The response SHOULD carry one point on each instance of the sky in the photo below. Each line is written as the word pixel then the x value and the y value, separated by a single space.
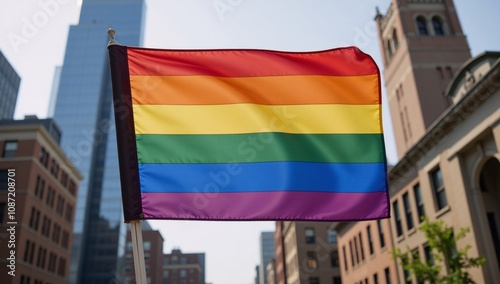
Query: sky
pixel 33 37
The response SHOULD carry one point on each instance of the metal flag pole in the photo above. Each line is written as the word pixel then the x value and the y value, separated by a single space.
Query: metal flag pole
pixel 135 226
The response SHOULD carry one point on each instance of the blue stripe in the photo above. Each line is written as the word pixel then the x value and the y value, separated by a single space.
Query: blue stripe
pixel 265 176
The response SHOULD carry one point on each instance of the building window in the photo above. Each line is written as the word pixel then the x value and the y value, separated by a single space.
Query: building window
pixel 361 248
pixel 29 252
pixel 147 245
pixel 9 149
pixel 419 202
pixel 406 272
pixel 397 218
pixel 415 254
pixel 332 236
pixel 44 157
pixel 387 275
pixel 375 278
pixel 46 226
pixel 334 258
pixel 437 25
pixel 39 187
pixel 356 249
pixel 65 239
pixel 429 259
pixel 50 197
pixel 370 241
pixel 25 279
pixel 182 273
pixel 64 179
pixel 72 187
pixel 52 262
pixel 337 280
pixel 422 26
pixel 407 118
pixel 395 39
pixel 2 209
pixel 4 180
pixel 310 235
pixel 311 261
pixel 352 253
pixel 381 234
pixel 61 270
pixel 438 188
pixel 314 280
pixel 54 168
pixel 56 233
pixel 60 205
pixel 408 213
pixel 68 214
pixel 494 233
pixel 389 49
pixel 344 254
pixel 42 253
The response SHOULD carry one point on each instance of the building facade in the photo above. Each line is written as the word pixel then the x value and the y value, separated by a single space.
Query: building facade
pixel 266 244
pixel 310 253
pixel 84 110
pixel 449 162
pixel 452 173
pixel 153 256
pixel 9 88
pixel 271 272
pixel 183 268
pixel 279 251
pixel 38 188
pixel 365 252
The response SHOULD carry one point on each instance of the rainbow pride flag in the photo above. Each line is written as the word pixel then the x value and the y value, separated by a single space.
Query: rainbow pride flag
pixel 249 134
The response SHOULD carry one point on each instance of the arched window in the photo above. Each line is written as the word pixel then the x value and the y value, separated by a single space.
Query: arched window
pixel 422 26
pixel 395 39
pixel 437 25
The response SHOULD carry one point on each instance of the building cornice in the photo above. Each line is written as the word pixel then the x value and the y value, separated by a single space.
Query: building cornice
pixel 448 121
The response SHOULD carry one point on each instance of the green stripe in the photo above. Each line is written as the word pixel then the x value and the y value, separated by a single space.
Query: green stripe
pixel 260 147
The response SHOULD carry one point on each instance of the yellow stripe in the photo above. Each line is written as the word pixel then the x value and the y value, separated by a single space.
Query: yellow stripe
pixel 251 118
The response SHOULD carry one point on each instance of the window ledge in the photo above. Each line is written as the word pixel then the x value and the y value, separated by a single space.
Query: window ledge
pixel 400 238
pixel 412 231
pixel 443 211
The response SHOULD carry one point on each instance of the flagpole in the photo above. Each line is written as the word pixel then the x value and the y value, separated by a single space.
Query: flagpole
pixel 138 252
pixel 135 225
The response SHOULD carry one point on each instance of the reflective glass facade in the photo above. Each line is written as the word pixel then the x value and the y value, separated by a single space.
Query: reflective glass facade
pixel 266 254
pixel 9 87
pixel 84 111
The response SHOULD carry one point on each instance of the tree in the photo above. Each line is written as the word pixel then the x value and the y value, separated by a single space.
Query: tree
pixel 443 253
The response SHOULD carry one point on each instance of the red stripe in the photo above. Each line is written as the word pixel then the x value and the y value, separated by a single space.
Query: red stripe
pixel 349 61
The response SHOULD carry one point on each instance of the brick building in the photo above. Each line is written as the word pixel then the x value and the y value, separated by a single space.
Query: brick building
pixel 183 268
pixel 45 194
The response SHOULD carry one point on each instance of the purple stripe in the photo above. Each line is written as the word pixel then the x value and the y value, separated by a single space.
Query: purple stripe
pixel 313 206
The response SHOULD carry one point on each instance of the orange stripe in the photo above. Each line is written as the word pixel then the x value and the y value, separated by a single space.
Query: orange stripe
pixel 281 90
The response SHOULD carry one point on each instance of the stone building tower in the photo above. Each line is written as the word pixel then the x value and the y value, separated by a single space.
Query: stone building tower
pixel 423 45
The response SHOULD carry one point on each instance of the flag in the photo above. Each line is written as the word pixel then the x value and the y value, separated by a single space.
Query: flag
pixel 249 134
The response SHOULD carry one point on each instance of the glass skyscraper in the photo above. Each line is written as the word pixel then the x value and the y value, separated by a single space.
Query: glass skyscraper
pixel 9 87
pixel 84 111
